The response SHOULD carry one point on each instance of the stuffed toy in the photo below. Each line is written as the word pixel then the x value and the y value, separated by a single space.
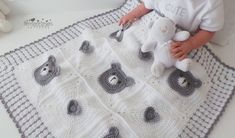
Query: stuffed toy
pixel 5 26
pixel 160 35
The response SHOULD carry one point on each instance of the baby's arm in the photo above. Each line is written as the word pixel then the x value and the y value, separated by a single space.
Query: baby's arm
pixel 136 13
pixel 180 50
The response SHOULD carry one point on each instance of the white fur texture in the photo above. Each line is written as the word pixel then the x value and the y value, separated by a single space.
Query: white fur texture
pixel 159 39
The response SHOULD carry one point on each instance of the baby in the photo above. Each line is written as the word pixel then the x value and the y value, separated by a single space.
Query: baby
pixel 200 17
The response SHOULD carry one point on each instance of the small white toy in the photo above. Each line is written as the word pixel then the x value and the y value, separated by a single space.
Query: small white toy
pixel 5 26
pixel 160 35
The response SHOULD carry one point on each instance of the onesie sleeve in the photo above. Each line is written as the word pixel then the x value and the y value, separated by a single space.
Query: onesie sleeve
pixel 213 19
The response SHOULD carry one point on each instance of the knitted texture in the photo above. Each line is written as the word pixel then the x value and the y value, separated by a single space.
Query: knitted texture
pixel 78 82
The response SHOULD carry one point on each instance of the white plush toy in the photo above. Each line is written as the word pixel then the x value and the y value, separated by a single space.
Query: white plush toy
pixel 5 26
pixel 160 35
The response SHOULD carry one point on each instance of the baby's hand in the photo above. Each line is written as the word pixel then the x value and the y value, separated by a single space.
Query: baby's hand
pixel 180 50
pixel 126 19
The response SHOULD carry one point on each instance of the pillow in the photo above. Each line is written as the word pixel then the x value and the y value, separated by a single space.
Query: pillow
pixel 226 35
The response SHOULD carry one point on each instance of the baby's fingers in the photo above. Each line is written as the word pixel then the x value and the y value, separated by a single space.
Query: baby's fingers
pixel 175 44
pixel 175 50
pixel 179 55
pixel 183 57
pixel 120 22
pixel 123 21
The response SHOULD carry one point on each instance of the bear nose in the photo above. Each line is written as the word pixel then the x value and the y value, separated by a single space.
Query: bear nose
pixel 182 81
pixel 44 71
pixel 113 80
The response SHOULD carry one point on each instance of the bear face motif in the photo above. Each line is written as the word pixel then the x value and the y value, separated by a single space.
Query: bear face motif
pixel 150 115
pixel 46 72
pixel 113 133
pixel 74 108
pixel 183 82
pixel 118 35
pixel 115 80
pixel 86 47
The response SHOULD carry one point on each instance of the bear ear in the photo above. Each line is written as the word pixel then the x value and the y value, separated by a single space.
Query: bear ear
pixel 130 81
pixel 197 83
pixel 57 71
pixel 116 66
pixel 52 59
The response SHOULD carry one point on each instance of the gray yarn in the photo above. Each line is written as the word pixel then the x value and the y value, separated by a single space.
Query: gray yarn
pixel 86 47
pixel 150 115
pixel 74 108
pixel 115 80
pixel 113 133
pixel 145 55
pixel 118 35
pixel 115 35
pixel 187 86
pixel 46 72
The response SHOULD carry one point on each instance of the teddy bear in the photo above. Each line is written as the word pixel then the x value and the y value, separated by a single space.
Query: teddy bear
pixel 160 35
pixel 5 26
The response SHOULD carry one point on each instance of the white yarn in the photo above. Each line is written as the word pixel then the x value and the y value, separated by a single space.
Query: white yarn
pixel 78 80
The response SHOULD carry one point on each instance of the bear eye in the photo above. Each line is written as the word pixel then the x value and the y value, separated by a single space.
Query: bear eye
pixel 47 64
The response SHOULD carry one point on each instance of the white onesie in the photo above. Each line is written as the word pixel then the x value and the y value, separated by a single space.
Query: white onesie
pixel 191 14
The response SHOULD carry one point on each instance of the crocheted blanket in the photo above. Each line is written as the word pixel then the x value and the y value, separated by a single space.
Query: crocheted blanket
pixel 86 81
